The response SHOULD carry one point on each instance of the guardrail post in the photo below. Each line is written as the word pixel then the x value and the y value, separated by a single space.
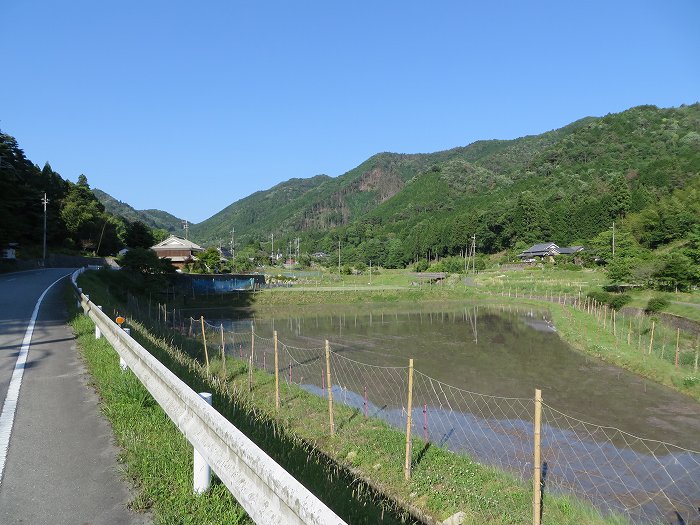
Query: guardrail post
pixel 98 332
pixel 122 364
pixel 202 471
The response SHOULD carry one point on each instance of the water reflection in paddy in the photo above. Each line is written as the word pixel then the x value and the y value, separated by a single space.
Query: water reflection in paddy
pixel 465 353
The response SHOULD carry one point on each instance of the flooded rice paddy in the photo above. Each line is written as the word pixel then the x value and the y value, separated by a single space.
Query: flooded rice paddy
pixel 476 369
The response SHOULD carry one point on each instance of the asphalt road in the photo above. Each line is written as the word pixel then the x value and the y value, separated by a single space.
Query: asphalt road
pixel 60 465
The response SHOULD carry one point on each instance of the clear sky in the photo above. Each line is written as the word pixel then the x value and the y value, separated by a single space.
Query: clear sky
pixel 190 106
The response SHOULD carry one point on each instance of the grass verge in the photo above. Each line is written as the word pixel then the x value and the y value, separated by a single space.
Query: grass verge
pixel 156 456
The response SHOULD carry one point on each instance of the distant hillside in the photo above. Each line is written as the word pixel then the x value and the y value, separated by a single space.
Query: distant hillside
pixel 639 168
pixel 152 218
pixel 322 202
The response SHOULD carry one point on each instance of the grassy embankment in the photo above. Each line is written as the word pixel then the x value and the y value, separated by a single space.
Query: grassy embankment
pixel 365 454
pixel 642 344
pixel 156 456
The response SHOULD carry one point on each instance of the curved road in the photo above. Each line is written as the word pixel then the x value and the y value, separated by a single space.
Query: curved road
pixel 57 459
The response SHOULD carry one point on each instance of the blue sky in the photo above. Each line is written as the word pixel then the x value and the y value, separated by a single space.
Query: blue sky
pixel 190 106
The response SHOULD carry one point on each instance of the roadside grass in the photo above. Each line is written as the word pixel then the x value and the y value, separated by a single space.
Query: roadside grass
pixel 155 455
pixel 359 471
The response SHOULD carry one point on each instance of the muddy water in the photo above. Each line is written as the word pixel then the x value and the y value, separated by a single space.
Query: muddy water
pixel 496 351
pixel 465 353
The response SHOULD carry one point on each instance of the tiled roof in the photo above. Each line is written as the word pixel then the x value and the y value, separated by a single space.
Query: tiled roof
pixel 177 243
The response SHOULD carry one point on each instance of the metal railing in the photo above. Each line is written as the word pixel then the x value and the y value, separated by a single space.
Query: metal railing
pixel 267 492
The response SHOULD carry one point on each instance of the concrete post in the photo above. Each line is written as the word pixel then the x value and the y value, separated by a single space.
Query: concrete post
pixel 98 333
pixel 202 471
pixel 122 363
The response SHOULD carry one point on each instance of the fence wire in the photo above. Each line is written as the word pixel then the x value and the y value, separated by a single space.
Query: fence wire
pixel 642 479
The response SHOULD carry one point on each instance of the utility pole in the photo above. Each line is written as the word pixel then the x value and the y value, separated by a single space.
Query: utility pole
pixel 370 272
pixel 338 255
pixel 272 250
pixel 474 253
pixel 186 227
pixel 298 248
pixel 613 240
pixel 44 201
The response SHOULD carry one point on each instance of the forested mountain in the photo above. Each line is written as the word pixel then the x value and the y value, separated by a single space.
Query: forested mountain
pixel 156 219
pixel 639 168
pixel 323 202
pixel 76 221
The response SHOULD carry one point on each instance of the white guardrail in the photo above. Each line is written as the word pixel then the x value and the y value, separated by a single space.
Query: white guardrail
pixel 267 492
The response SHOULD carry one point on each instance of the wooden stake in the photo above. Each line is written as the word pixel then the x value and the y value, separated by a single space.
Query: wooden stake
pixel 537 461
pixel 204 339
pixel 252 354
pixel 277 374
pixel 407 465
pixel 678 335
pixel 605 315
pixel 629 333
pixel 330 388
pixel 651 339
pixel 223 351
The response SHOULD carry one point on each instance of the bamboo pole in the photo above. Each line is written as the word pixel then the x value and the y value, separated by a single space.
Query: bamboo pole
pixel 651 339
pixel 223 351
pixel 277 374
pixel 204 339
pixel 605 315
pixel 629 333
pixel 407 465
pixel 678 335
pixel 330 388
pixel 252 358
pixel 537 473
pixel 697 351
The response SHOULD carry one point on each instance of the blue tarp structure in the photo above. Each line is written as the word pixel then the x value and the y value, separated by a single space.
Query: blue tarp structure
pixel 222 286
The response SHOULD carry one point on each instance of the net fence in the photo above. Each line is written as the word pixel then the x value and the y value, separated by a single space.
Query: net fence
pixel 644 480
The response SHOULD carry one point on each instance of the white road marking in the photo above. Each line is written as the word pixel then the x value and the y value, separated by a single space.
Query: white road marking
pixel 7 417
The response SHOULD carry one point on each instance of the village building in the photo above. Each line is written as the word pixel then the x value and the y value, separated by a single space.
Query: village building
pixel 547 250
pixel 177 250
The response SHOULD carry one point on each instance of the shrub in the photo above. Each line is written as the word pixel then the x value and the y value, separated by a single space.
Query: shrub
pixel 422 266
pixel 656 304
pixel 618 301
pixel 600 296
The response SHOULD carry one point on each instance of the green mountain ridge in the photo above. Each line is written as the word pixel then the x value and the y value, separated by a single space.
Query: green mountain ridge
pixel 324 202
pixel 156 219
pixel 637 167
